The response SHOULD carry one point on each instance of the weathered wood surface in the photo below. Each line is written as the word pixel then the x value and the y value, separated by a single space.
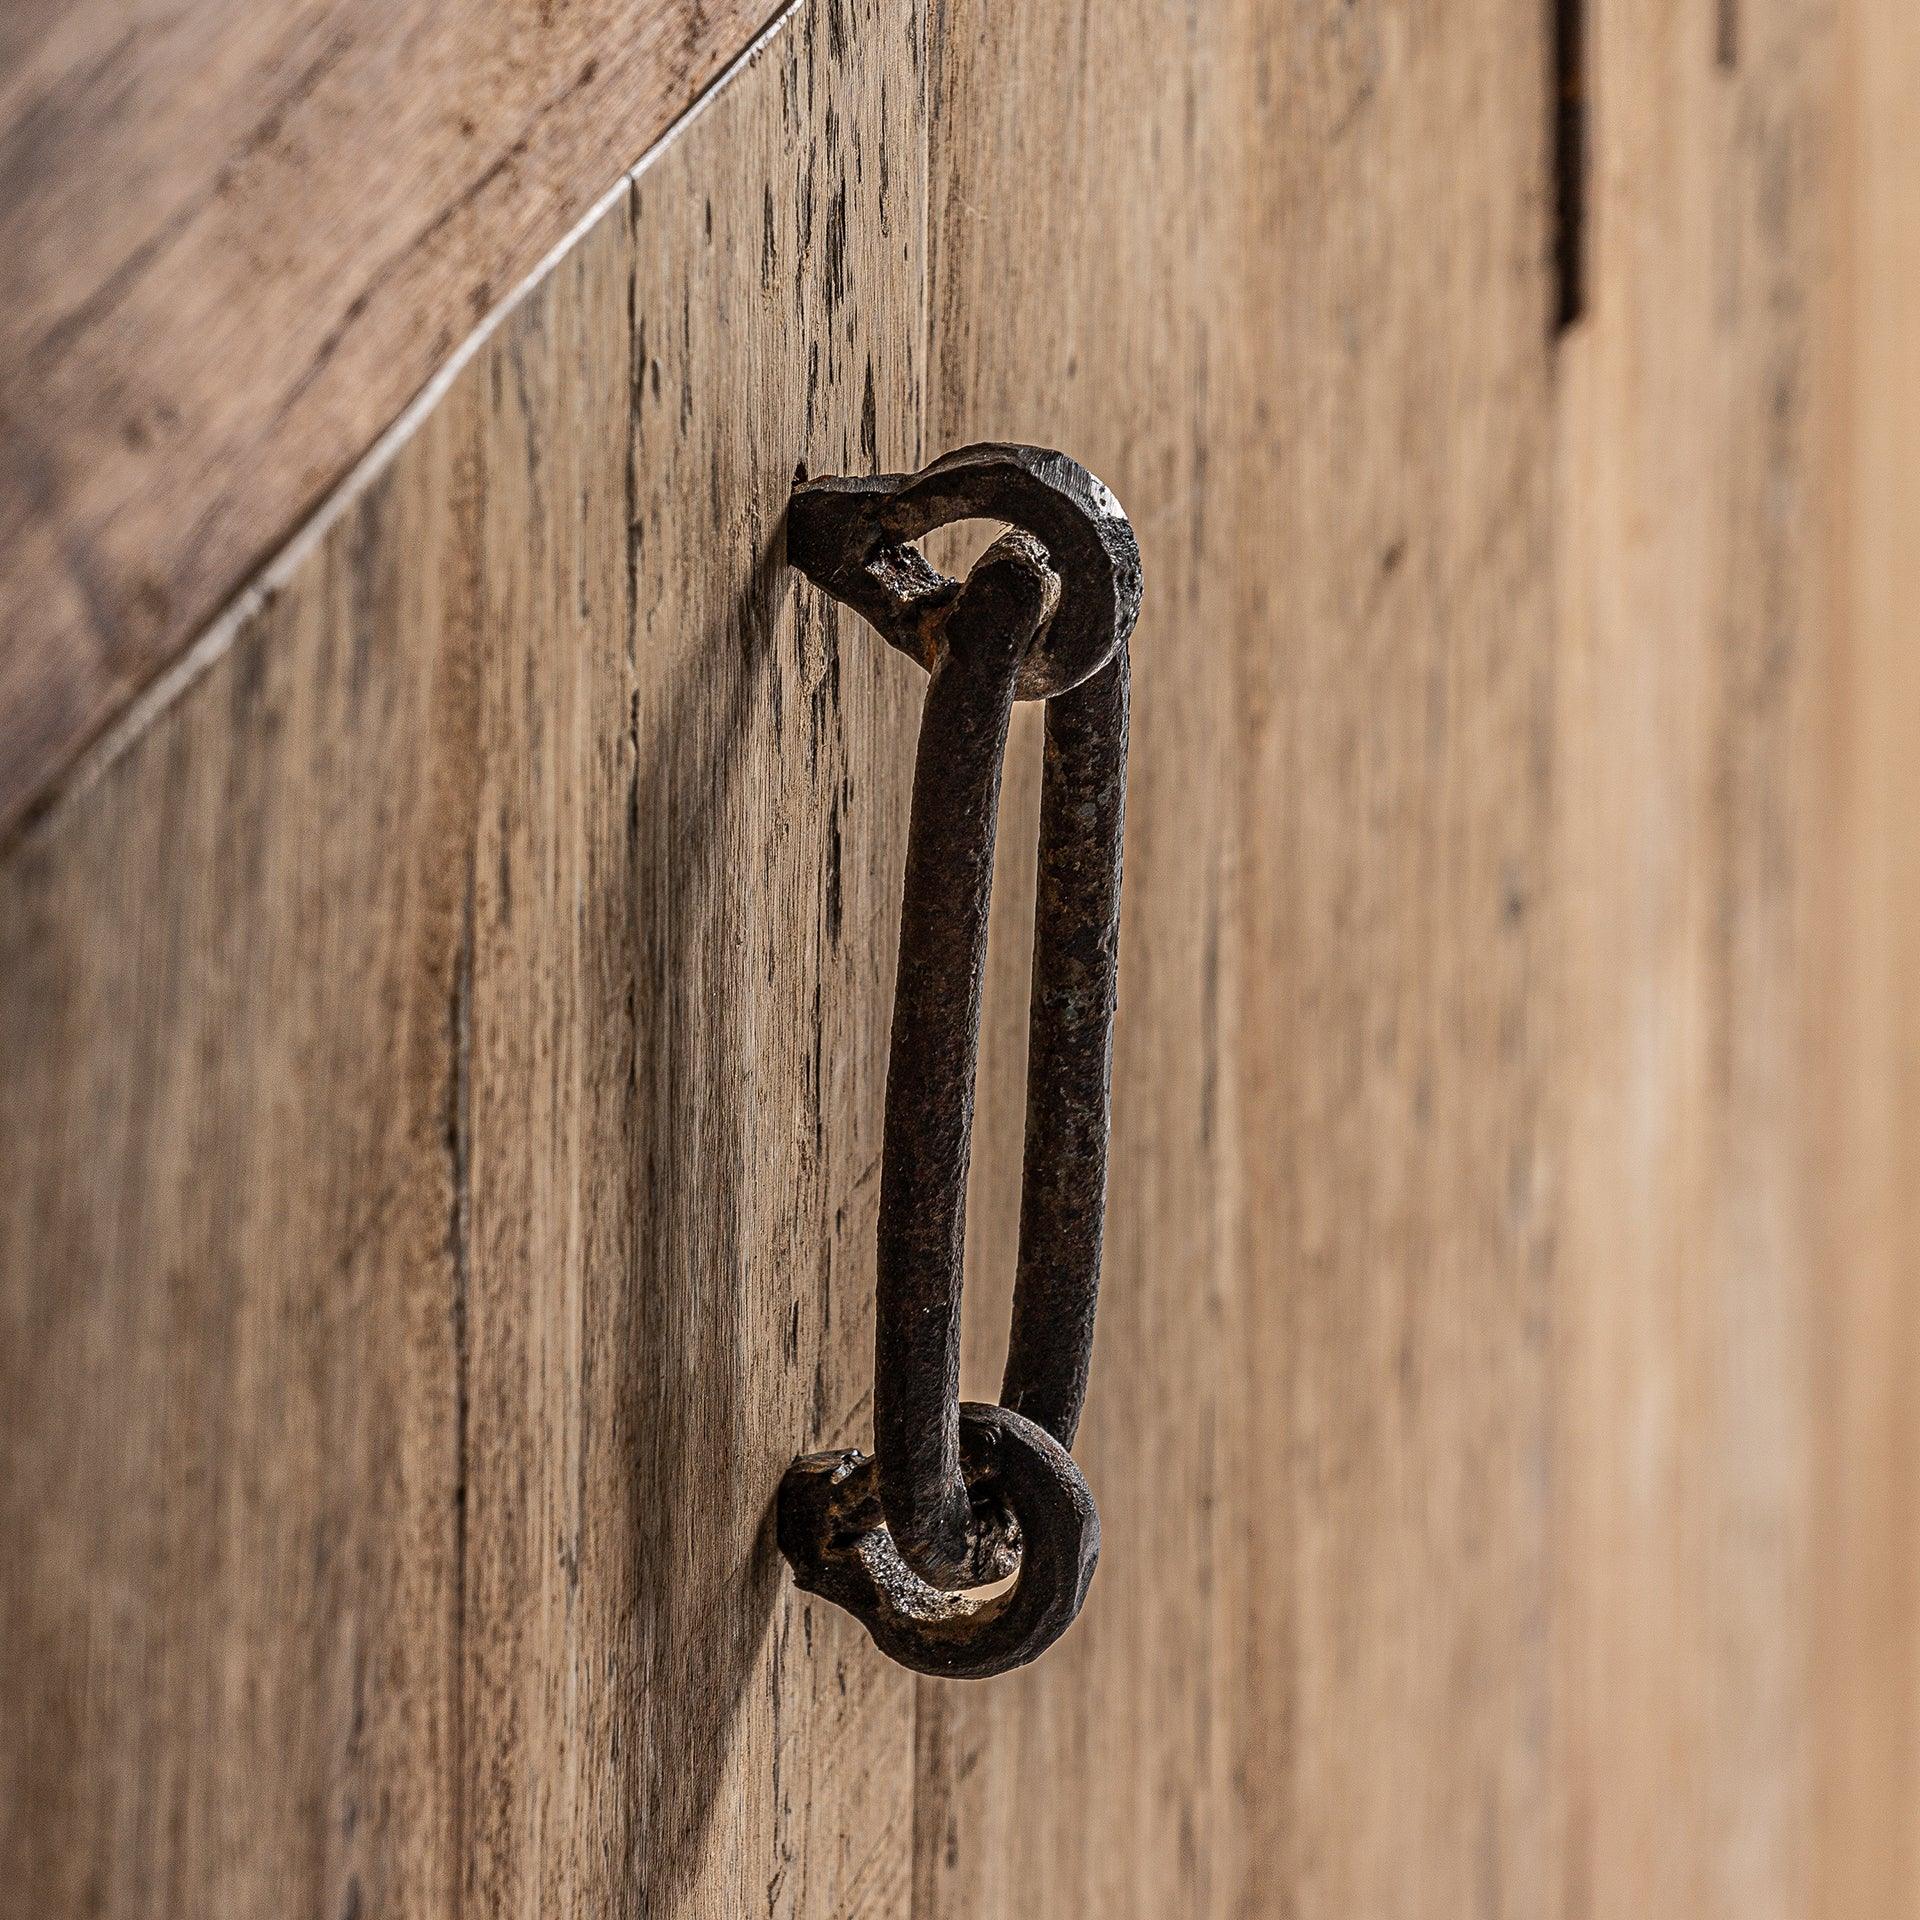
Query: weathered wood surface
pixel 443 1051
pixel 1511 1285
pixel 440 1102
pixel 1313 1676
pixel 1864 1600
pixel 1734 857
pixel 236 238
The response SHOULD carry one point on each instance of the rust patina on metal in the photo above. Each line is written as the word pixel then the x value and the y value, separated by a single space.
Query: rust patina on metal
pixel 958 1496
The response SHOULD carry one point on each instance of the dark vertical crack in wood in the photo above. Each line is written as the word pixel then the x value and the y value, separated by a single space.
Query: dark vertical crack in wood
pixel 1569 41
pixel 460 1230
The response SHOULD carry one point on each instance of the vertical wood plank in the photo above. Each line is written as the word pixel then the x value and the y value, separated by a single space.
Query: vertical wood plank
pixel 1074 300
pixel 1700 657
pixel 1211 253
pixel 231 1650
pixel 777 294
pixel 1393 674
pixel 442 1065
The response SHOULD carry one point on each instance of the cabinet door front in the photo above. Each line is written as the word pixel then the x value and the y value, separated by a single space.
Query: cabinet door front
pixel 450 905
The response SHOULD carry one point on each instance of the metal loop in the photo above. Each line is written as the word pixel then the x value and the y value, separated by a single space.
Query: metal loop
pixel 830 1530
pixel 968 1494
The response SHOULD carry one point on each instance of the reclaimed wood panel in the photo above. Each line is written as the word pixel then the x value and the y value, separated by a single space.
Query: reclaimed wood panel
pixel 1519 1447
pixel 1221 265
pixel 442 1046
pixel 1865 1015
pixel 441 1091
pixel 1734 1557
pixel 236 239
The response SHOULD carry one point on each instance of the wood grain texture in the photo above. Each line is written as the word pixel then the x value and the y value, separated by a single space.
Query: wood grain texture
pixel 1866 1017
pixel 1220 265
pixel 1707 876
pixel 1074 300
pixel 441 1090
pixel 442 1052
pixel 1501 1376
pixel 236 238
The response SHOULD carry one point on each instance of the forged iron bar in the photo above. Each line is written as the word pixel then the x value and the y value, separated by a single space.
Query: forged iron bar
pixel 959 1496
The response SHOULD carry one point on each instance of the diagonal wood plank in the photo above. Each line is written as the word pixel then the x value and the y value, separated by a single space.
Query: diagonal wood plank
pixel 236 238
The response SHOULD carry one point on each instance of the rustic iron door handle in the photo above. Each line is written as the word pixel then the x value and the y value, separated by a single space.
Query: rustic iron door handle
pixel 959 1496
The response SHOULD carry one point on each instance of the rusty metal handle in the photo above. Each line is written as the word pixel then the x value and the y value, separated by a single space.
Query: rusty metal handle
pixel 959 1496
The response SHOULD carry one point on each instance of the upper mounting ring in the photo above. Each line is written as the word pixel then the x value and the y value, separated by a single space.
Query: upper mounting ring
pixel 854 538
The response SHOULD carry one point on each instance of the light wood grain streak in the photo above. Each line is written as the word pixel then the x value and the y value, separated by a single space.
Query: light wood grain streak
pixel 1865 1016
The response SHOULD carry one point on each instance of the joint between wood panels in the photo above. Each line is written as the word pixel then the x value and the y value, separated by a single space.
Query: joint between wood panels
pixel 1568 40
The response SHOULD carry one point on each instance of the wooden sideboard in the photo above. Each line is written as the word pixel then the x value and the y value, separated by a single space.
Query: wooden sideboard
pixel 448 891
